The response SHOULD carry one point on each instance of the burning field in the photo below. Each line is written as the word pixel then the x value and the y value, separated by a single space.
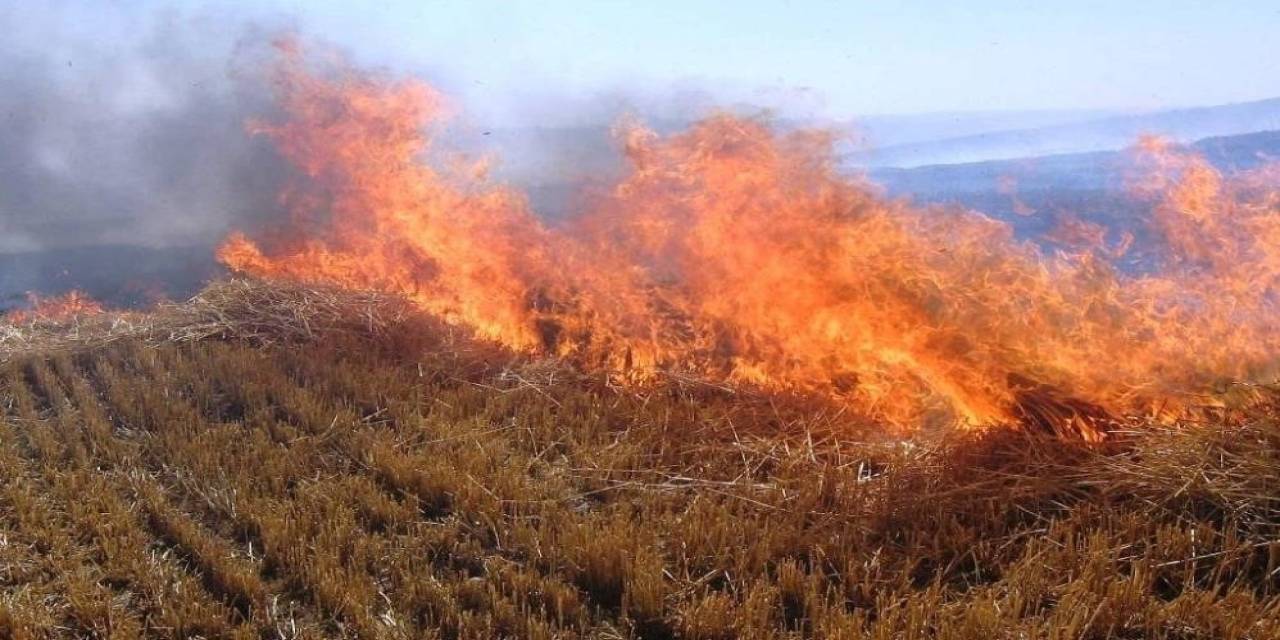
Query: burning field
pixel 739 393
pixel 738 253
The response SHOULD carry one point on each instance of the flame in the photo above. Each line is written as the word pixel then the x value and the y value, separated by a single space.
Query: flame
pixel 740 252
pixel 60 308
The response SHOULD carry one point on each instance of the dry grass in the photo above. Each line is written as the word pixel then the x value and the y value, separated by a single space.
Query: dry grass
pixel 244 309
pixel 287 462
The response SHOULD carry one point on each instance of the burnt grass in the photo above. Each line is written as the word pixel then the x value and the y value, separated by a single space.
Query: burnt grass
pixel 405 486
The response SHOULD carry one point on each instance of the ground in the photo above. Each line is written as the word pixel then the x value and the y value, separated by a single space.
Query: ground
pixel 347 486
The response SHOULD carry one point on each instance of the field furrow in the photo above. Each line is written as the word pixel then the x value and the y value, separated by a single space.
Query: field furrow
pixel 110 545
pixel 219 489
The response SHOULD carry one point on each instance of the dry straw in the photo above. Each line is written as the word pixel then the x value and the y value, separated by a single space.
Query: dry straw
pixel 240 308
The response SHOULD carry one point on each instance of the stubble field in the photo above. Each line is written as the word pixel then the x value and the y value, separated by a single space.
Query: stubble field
pixel 407 485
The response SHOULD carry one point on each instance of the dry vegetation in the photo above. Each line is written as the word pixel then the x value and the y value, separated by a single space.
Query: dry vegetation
pixel 268 462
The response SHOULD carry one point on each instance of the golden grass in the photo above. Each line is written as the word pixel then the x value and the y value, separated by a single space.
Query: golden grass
pixel 313 464
pixel 240 308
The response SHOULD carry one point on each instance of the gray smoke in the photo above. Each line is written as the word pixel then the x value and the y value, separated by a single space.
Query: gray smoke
pixel 138 139
pixel 122 136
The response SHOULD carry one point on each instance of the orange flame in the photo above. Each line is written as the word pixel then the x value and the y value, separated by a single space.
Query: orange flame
pixel 737 251
pixel 60 308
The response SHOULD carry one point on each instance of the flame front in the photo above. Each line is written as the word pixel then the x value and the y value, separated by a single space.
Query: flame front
pixel 737 252
pixel 60 308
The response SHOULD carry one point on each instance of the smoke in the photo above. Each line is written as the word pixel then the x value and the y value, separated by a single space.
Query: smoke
pixel 126 129
pixel 125 156
pixel 131 138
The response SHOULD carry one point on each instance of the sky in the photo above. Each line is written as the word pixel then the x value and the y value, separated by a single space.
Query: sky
pixel 815 58
pixel 839 58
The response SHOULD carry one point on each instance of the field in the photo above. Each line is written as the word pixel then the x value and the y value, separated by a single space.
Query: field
pixel 406 483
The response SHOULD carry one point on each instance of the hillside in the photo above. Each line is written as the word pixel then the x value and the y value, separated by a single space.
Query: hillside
pixel 1093 170
pixel 375 478
pixel 1032 193
pixel 1098 134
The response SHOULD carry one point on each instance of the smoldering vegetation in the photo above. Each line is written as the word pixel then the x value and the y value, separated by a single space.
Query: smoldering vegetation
pixel 337 471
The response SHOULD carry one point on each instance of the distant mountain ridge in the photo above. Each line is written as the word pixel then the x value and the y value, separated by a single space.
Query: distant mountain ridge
pixel 1033 194
pixel 1090 170
pixel 898 130
pixel 1102 134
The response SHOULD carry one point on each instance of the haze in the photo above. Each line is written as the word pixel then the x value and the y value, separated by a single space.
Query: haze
pixel 845 58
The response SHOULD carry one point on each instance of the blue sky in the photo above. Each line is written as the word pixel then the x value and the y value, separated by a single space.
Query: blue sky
pixel 817 58
pixel 842 58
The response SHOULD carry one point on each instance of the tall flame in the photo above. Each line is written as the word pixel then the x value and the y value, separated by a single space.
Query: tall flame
pixel 740 252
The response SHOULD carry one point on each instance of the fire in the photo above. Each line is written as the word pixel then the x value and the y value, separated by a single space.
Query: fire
pixel 61 308
pixel 740 252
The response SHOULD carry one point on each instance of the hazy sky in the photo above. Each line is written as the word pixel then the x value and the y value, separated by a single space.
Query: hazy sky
pixel 836 59
pixel 841 57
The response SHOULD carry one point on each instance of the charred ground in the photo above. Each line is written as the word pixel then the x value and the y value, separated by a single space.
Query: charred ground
pixel 372 479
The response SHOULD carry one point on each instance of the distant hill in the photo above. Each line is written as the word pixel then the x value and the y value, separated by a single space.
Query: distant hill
pixel 1101 134
pixel 1032 194
pixel 894 130
pixel 1092 170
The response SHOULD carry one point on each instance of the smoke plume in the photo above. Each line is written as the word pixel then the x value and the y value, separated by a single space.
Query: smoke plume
pixel 125 156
